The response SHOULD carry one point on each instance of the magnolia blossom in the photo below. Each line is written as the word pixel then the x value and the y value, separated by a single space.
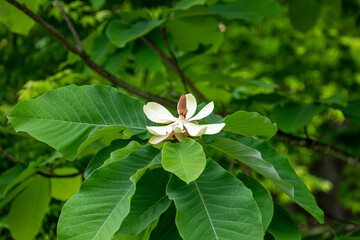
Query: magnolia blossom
pixel 183 125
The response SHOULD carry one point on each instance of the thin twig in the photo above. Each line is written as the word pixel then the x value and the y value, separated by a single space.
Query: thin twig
pixel 354 230
pixel 318 147
pixel 71 27
pixel 112 78
pixel 244 168
pixel 174 67
pixel 9 156
pixel 53 175
pixel 164 34
pixel 231 167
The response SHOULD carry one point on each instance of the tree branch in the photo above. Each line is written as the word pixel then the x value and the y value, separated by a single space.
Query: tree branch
pixel 9 156
pixel 164 34
pixel 91 64
pixel 71 27
pixel 53 175
pixel 318 147
pixel 174 67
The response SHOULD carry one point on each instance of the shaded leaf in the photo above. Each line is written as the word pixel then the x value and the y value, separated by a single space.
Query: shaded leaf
pixel 28 209
pixel 103 200
pixel 147 204
pixel 304 13
pixel 166 228
pixel 119 33
pixel 292 116
pixel 7 177
pixel 186 4
pixel 70 118
pixel 215 206
pixel 185 159
pixel 282 226
pixel 338 98
pixel 254 10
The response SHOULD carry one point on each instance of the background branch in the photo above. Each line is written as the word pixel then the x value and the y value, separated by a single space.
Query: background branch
pixel 174 67
pixel 296 141
pixel 71 27
pixel 91 64
pixel 9 156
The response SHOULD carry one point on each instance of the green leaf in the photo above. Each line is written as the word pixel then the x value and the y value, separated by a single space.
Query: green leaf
pixel 282 226
pixel 352 112
pixel 7 177
pixel 97 3
pixel 70 118
pixel 336 99
pixel 292 116
pixel 304 13
pixel 103 200
pixel 188 36
pixel 166 228
pixel 215 206
pixel 254 10
pixel 65 188
pixel 186 4
pixel 123 152
pixel 119 33
pixel 250 124
pixel 262 198
pixel 15 20
pixel 99 158
pixel 144 235
pixel 13 193
pixel 185 159
pixel 147 204
pixel 28 210
pixel 253 159
pixel 302 195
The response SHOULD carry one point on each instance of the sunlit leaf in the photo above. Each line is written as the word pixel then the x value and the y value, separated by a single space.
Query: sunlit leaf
pixel 72 117
pixel 215 206
pixel 28 210
pixel 185 159
pixel 64 188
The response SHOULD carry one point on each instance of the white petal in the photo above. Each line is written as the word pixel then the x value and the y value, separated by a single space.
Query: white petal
pixel 194 129
pixel 157 113
pixel 191 105
pixel 180 136
pixel 204 112
pixel 158 139
pixel 160 130
pixel 214 128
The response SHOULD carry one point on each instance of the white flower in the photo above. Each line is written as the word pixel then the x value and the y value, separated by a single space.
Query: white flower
pixel 183 125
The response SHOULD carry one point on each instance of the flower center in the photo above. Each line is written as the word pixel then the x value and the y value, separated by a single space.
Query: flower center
pixel 182 110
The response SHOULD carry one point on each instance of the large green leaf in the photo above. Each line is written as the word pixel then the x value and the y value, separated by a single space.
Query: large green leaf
pixel 17 21
pixel 185 159
pixel 97 3
pixel 262 198
pixel 188 36
pixel 250 124
pixel 103 201
pixel 304 13
pixel 253 159
pixel 282 227
pixel 28 210
pixel 147 204
pixel 119 33
pixel 186 4
pixel 72 117
pixel 252 10
pixel 302 195
pixel 166 228
pixel 292 116
pixel 215 206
